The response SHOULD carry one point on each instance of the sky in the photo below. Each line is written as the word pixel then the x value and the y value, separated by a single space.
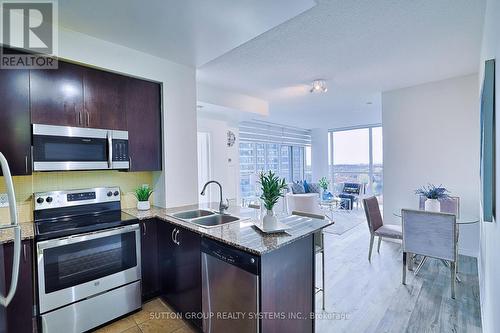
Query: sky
pixel 352 147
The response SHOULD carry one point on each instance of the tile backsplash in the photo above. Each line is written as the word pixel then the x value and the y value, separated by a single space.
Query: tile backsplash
pixel 25 186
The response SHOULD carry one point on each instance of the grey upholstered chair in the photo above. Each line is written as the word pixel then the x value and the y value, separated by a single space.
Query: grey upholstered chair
pixel 319 247
pixel 377 226
pixel 448 205
pixel 431 235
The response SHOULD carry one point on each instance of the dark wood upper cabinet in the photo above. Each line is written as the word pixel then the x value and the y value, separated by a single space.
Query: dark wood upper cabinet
pixel 20 317
pixel 143 107
pixel 104 102
pixel 15 128
pixel 57 95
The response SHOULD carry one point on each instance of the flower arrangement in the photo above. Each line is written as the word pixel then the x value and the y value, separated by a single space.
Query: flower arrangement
pixel 433 192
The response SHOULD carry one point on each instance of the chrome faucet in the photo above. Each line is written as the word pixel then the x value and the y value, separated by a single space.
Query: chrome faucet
pixel 222 206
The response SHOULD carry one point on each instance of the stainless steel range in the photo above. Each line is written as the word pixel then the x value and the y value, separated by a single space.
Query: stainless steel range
pixel 88 259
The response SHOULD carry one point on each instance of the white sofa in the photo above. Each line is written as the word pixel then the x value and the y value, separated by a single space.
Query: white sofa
pixel 305 202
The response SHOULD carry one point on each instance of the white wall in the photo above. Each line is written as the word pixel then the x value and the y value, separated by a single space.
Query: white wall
pixel 232 100
pixel 224 160
pixel 489 262
pixel 431 134
pixel 177 184
pixel 319 153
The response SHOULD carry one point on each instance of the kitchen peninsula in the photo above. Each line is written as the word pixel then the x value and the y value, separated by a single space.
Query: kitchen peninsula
pixel 284 267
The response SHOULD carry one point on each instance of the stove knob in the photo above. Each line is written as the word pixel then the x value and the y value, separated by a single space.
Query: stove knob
pixel 39 200
pixel 109 193
pixel 49 199
pixel 116 193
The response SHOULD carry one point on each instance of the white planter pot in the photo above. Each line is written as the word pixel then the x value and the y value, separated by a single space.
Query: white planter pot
pixel 432 205
pixel 269 219
pixel 143 205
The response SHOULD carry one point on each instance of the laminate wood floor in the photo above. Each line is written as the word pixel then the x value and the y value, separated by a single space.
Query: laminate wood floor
pixel 369 297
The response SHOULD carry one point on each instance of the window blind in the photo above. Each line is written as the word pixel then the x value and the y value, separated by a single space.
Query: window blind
pixel 255 131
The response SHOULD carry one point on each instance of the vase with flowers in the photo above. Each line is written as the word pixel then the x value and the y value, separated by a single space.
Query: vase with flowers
pixel 433 194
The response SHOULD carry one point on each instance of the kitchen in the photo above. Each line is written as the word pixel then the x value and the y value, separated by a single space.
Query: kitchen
pixel 78 140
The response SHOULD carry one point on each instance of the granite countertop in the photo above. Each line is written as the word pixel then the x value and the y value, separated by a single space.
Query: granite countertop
pixel 27 232
pixel 240 234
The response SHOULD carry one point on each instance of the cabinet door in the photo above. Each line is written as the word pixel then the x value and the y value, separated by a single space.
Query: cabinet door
pixel 57 95
pixel 143 107
pixel 20 317
pixel 15 126
pixel 104 100
pixel 181 275
pixel 149 259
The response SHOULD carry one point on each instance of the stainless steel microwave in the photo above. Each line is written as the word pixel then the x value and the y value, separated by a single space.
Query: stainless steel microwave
pixel 60 148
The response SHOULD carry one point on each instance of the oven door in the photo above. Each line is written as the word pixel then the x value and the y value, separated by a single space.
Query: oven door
pixel 73 268
pixel 71 148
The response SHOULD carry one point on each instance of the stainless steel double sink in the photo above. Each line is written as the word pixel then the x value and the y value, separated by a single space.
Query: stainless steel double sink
pixel 206 218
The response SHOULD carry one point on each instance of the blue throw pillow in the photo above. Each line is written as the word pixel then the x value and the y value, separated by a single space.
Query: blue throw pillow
pixel 306 186
pixel 298 188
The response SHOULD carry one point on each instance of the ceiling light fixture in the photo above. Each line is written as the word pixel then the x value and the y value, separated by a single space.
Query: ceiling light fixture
pixel 318 86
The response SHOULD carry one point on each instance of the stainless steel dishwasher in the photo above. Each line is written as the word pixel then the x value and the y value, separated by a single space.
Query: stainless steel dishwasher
pixel 230 289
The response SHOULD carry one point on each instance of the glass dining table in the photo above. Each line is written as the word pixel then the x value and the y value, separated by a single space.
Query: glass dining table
pixel 460 221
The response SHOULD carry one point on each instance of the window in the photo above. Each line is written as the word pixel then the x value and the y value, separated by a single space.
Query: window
pixel 286 161
pixel 356 156
pixel 266 146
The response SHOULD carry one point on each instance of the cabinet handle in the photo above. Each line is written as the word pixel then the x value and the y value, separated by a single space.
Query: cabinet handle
pixel 144 228
pixel 177 234
pixel 129 163
pixel 172 236
pixel 88 119
pixel 26 163
pixel 80 118
pixel 24 253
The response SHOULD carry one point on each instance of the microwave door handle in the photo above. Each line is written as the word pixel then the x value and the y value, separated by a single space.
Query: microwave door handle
pixel 4 301
pixel 110 149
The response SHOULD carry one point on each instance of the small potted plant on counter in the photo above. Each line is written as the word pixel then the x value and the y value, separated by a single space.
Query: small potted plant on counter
pixel 433 194
pixel 272 191
pixel 142 193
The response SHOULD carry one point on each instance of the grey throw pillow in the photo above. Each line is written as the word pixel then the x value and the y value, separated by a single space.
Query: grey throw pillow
pixel 298 188
pixel 314 188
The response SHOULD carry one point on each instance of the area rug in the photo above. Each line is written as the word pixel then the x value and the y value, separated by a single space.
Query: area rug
pixel 345 221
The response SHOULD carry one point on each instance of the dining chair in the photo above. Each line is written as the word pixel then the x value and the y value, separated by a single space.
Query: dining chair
pixel 431 235
pixel 448 205
pixel 319 247
pixel 377 226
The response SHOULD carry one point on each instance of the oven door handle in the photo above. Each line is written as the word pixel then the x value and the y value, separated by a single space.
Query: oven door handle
pixel 109 138
pixel 85 237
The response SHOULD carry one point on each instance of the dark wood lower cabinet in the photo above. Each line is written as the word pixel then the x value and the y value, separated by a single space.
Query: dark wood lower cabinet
pixel 180 269
pixel 149 259
pixel 20 317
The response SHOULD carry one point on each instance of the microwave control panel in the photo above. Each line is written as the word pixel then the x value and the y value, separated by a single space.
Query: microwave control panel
pixel 120 150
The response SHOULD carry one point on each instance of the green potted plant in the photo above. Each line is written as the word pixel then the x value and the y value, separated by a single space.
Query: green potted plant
pixel 272 191
pixel 323 184
pixel 142 194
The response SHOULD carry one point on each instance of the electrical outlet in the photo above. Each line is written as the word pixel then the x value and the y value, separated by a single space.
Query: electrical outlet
pixel 4 200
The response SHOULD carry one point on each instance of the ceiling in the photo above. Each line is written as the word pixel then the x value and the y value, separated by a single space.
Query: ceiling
pixel 190 32
pixel 361 47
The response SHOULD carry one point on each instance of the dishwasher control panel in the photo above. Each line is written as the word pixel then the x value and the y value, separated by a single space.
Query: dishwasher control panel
pixel 244 260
